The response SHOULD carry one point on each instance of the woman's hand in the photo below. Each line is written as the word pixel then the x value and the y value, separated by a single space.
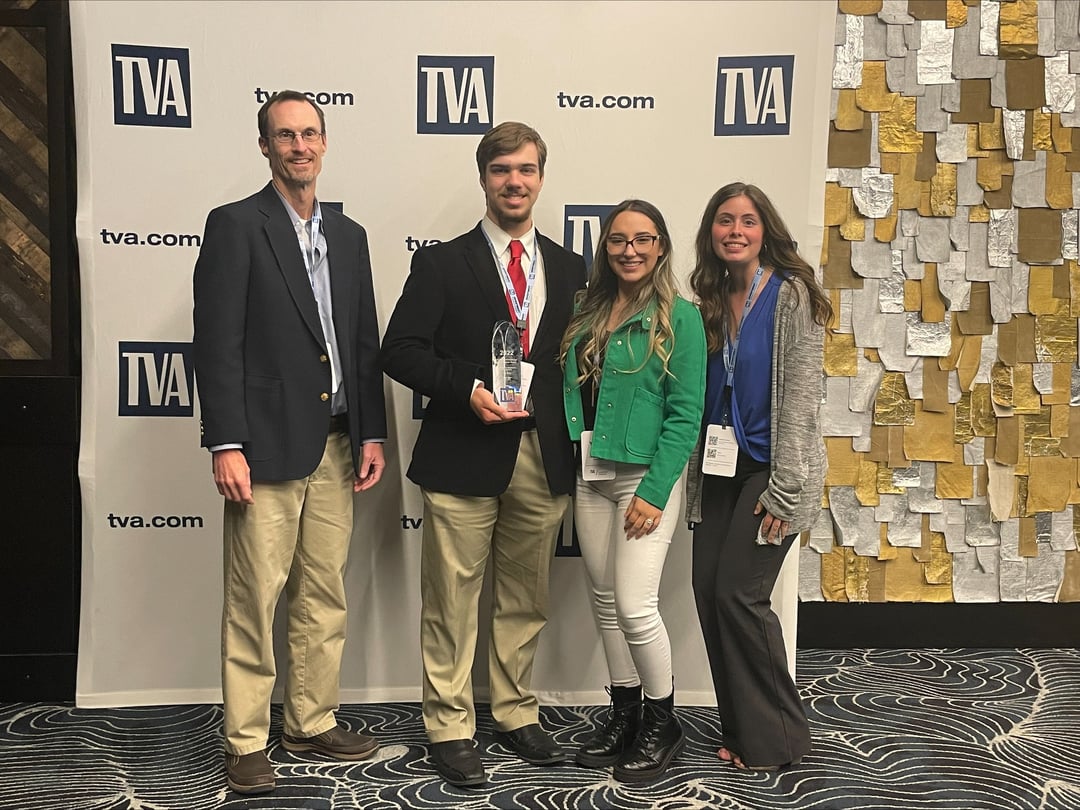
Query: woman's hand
pixel 641 518
pixel 773 530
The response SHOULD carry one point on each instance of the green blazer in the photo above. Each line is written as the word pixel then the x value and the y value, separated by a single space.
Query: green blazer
pixel 644 416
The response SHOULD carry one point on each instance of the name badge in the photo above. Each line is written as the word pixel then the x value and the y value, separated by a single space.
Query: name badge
pixel 721 451
pixel 593 469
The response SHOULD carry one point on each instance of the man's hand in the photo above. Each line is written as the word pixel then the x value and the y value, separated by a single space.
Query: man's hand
pixel 488 410
pixel 233 476
pixel 372 465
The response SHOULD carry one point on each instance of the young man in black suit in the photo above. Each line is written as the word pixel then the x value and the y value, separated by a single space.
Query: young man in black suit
pixel 286 357
pixel 495 482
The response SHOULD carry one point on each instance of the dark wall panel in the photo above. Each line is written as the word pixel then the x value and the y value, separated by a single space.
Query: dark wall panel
pixel 39 384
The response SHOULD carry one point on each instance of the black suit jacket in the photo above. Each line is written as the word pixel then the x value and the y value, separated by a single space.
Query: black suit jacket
pixel 439 340
pixel 260 357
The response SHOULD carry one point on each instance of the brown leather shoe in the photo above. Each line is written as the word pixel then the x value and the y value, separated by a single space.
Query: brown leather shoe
pixel 338 742
pixel 249 773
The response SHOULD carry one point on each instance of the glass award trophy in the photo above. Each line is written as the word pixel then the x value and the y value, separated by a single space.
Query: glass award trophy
pixel 506 366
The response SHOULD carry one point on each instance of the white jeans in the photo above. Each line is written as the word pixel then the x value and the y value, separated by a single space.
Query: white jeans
pixel 624 576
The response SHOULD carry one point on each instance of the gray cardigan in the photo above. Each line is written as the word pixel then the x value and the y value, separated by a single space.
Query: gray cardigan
pixel 797 469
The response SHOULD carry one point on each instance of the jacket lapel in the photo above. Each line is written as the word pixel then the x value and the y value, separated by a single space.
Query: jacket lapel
pixel 482 264
pixel 286 249
pixel 341 278
pixel 557 308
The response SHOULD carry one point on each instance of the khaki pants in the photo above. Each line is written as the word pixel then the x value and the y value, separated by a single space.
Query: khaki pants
pixel 295 536
pixel 517 532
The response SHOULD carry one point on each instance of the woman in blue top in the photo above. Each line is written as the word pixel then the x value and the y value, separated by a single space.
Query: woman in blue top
pixel 634 383
pixel 757 475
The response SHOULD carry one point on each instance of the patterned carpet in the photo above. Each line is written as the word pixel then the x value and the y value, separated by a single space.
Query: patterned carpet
pixel 964 729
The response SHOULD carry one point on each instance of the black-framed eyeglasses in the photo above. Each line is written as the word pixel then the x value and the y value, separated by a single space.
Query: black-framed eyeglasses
pixel 641 242
pixel 287 136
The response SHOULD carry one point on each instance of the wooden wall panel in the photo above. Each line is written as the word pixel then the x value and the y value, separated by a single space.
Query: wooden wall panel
pixel 25 267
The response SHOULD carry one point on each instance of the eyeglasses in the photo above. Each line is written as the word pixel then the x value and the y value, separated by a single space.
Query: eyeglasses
pixel 287 136
pixel 641 242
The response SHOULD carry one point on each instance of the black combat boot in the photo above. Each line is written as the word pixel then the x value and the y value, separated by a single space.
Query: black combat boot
pixel 660 739
pixel 610 741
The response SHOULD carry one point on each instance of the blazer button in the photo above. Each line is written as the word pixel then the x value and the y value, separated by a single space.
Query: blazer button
pixel 573 418
pixel 610 405
pixel 324 396
pixel 618 343
pixel 323 358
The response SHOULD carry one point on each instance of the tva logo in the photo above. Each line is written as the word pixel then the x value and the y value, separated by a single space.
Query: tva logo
pixel 581 228
pixel 156 379
pixel 454 94
pixel 151 86
pixel 753 95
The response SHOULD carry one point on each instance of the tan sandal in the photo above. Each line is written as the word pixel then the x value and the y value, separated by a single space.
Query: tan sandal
pixel 742 766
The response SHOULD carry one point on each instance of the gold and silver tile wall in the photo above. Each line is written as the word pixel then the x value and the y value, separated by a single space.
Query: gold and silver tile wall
pixel 952 390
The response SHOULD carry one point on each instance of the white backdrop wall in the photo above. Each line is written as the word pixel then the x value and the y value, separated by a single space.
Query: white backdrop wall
pixel 633 99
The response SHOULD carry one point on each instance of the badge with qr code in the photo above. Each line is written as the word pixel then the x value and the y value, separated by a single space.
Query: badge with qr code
pixel 721 451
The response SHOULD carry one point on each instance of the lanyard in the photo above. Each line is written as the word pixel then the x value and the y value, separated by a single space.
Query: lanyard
pixel 520 310
pixel 731 348
pixel 308 244
pixel 308 251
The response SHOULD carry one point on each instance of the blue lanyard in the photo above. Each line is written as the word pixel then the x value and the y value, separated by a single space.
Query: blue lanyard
pixel 520 308
pixel 731 348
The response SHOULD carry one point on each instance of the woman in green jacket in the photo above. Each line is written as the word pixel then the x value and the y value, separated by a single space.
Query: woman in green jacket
pixel 634 383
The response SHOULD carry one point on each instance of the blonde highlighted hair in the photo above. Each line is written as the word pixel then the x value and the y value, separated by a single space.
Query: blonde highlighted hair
pixel 594 303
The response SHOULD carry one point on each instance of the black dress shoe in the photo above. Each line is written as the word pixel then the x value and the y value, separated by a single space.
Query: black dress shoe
pixel 532 744
pixel 457 762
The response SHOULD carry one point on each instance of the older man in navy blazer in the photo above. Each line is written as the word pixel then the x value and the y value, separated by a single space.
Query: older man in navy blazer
pixel 286 358
pixel 495 482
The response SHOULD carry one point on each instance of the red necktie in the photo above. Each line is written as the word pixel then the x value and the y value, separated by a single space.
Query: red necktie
pixel 517 278
pixel 517 274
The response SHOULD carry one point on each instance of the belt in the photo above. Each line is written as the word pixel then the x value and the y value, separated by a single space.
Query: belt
pixel 527 423
pixel 339 423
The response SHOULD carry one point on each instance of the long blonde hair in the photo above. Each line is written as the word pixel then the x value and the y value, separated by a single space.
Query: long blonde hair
pixel 594 303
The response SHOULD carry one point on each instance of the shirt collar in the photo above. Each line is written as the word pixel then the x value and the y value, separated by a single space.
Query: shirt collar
pixel 645 315
pixel 500 239
pixel 316 212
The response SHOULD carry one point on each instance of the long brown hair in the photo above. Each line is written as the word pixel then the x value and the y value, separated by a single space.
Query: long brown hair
pixel 711 282
pixel 595 301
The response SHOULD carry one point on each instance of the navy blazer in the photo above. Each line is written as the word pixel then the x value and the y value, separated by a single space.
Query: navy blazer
pixel 260 357
pixel 439 340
